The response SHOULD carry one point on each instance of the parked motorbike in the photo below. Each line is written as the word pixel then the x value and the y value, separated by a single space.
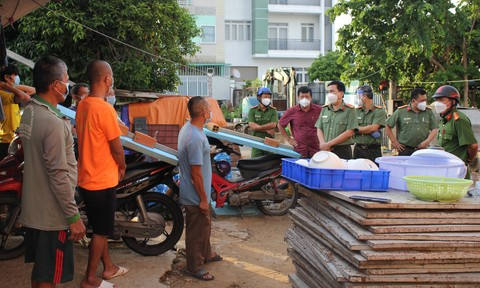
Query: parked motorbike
pixel 261 183
pixel 149 223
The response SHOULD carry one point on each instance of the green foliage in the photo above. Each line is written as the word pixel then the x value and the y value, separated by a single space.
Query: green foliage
pixel 326 67
pixel 161 28
pixel 251 86
pixel 409 41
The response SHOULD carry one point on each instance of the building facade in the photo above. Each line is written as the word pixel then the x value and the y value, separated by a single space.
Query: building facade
pixel 242 39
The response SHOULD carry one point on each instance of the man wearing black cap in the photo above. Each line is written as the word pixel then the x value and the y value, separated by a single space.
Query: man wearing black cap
pixel 371 119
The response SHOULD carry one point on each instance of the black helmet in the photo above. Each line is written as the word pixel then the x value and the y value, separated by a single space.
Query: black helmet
pixel 366 90
pixel 447 91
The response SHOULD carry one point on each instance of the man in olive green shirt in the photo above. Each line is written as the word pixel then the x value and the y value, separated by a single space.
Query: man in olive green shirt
pixel 371 119
pixel 416 125
pixel 456 133
pixel 337 122
pixel 263 119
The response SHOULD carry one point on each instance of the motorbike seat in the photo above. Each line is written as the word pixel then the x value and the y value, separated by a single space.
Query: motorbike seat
pixel 261 163
pixel 137 169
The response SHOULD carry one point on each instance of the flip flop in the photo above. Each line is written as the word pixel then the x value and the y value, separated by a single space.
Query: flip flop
pixel 215 258
pixel 202 274
pixel 106 284
pixel 120 272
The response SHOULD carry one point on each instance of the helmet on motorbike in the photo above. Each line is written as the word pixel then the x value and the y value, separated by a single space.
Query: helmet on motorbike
pixel 263 90
pixel 223 167
pixel 447 91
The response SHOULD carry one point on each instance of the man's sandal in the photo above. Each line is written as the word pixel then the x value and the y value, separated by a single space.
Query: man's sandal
pixel 202 274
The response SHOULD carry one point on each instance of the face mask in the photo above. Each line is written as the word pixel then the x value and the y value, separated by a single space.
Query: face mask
pixel 304 102
pixel 266 101
pixel 422 105
pixel 66 92
pixel 332 98
pixel 17 80
pixel 439 107
pixel 111 100
pixel 209 118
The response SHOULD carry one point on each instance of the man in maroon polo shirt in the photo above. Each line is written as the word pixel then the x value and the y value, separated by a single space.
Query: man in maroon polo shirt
pixel 302 118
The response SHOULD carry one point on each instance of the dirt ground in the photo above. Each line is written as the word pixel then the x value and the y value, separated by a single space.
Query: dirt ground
pixel 253 249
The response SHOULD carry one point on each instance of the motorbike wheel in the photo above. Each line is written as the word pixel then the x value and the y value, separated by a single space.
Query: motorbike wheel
pixel 13 244
pixel 167 209
pixel 275 208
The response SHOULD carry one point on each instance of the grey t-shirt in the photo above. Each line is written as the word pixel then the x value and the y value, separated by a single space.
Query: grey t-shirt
pixel 193 149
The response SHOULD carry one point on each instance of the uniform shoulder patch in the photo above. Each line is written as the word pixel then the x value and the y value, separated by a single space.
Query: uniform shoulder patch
pixel 428 107
pixel 325 105
pixel 272 107
pixel 456 116
pixel 401 107
pixel 379 106
pixel 349 105
pixel 256 106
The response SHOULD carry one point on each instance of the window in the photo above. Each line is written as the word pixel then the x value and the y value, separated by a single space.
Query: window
pixel 301 75
pixel 238 30
pixel 208 34
pixel 307 32
pixel 277 36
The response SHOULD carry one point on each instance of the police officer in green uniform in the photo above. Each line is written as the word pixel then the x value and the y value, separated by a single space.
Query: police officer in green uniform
pixel 371 119
pixel 416 125
pixel 456 133
pixel 337 122
pixel 263 119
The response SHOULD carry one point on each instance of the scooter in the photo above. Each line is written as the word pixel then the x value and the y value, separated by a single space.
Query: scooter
pixel 149 223
pixel 261 183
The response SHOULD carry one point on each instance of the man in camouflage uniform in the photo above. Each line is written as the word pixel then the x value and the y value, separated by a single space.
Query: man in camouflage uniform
pixel 371 119
pixel 337 122
pixel 263 119
pixel 416 125
pixel 456 134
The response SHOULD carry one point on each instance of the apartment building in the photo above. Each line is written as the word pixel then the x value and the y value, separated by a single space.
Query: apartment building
pixel 243 38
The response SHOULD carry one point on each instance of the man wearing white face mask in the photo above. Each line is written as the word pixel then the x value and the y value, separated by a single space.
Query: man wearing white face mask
pixel 416 125
pixel 263 119
pixel 302 120
pixel 337 122
pixel 456 134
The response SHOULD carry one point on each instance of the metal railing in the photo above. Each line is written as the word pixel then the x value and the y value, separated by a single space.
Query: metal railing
pixel 293 44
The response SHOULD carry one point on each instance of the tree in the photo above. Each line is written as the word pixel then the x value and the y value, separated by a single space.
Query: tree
pixel 326 67
pixel 410 41
pixel 161 29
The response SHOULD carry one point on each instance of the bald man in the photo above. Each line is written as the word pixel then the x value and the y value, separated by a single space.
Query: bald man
pixel 99 134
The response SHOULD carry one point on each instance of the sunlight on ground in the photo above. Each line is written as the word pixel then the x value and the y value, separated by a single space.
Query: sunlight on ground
pixel 263 252
pixel 265 272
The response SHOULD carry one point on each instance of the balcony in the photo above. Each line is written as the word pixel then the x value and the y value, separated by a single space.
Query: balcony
pixel 295 2
pixel 293 44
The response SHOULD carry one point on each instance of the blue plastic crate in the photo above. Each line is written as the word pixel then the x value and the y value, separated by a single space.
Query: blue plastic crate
pixel 335 179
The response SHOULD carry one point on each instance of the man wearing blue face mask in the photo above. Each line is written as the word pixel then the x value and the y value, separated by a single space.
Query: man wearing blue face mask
pixel 337 122
pixel 263 118
pixel 11 95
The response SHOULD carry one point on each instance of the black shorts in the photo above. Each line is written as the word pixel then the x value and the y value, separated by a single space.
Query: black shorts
pixel 101 205
pixel 52 253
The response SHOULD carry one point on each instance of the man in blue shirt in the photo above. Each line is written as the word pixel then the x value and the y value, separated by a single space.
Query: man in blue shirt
pixel 195 184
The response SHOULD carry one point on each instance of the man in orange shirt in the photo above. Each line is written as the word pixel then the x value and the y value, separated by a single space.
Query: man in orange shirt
pixel 101 165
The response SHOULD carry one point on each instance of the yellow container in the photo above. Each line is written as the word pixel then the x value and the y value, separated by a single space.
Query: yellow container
pixel 434 188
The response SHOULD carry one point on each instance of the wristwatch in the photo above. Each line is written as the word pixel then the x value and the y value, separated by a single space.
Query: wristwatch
pixel 355 130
